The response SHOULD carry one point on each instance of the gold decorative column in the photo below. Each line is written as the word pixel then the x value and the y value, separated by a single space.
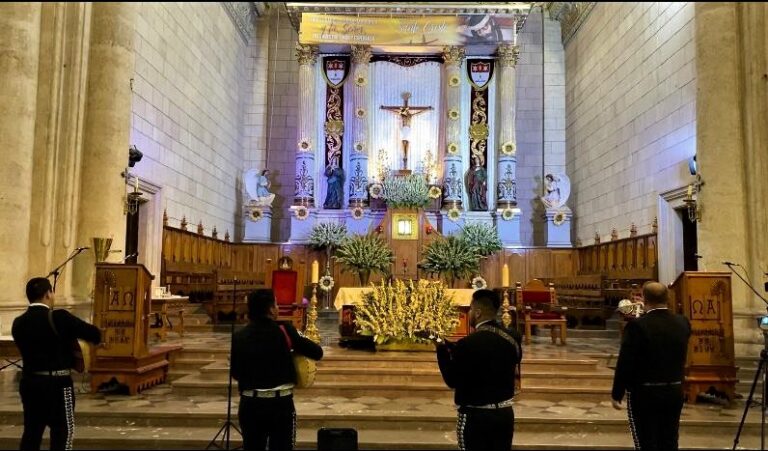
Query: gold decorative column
pixel 304 193
pixel 107 134
pixel 453 170
pixel 19 59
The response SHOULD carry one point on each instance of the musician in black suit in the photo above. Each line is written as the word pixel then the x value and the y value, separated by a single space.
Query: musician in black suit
pixel 481 368
pixel 44 337
pixel 650 370
pixel 262 364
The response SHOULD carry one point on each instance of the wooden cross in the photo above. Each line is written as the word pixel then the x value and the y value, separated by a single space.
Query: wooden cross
pixel 406 112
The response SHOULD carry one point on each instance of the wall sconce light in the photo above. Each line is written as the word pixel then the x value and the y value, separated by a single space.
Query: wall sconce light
pixel 692 205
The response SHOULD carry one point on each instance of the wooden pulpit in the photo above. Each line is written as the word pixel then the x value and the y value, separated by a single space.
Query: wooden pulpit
pixel 121 306
pixel 705 299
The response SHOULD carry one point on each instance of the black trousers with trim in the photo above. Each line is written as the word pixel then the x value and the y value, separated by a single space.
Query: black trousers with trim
pixel 654 417
pixel 485 429
pixel 267 421
pixel 47 402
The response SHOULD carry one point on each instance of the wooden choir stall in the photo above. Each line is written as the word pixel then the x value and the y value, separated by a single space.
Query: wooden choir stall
pixel 705 299
pixel 122 299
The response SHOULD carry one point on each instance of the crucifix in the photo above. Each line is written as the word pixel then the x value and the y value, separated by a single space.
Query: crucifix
pixel 406 112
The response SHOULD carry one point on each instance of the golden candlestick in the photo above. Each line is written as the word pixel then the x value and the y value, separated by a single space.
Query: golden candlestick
pixel 311 331
pixel 506 318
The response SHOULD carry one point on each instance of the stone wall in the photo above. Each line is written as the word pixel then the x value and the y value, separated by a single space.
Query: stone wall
pixel 631 104
pixel 188 106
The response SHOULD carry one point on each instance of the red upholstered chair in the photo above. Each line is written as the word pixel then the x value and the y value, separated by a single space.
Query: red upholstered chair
pixel 537 306
pixel 288 309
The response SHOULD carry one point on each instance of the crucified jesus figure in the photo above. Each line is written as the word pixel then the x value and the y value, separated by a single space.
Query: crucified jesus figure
pixel 406 112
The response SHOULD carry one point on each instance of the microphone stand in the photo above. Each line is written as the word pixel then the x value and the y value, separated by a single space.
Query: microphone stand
pixel 56 272
pixel 762 369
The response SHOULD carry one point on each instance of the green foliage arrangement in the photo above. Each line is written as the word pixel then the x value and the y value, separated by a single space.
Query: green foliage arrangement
pixel 483 237
pixel 403 311
pixel 451 257
pixel 327 235
pixel 411 191
pixel 359 253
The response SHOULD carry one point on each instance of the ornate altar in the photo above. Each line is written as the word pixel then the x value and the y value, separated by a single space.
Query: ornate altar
pixel 122 300
pixel 705 299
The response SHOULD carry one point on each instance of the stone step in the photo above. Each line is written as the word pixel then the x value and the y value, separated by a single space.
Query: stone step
pixel 549 435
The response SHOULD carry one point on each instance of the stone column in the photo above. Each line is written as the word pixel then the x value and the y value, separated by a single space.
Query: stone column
pixel 453 170
pixel 507 55
pixel 106 136
pixel 305 155
pixel 19 59
pixel 361 98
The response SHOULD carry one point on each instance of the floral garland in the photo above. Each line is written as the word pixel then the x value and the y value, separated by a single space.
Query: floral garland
pixel 301 212
pixel 326 283
pixel 454 214
pixel 478 283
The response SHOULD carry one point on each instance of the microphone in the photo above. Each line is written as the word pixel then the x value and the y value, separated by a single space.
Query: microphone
pixel 726 263
pixel 698 256
pixel 135 254
pixel 80 249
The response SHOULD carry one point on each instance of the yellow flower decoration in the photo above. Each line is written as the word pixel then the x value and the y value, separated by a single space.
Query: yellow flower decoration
pixel 304 145
pixel 256 214
pixel 453 148
pixel 454 214
pixel 360 113
pixel 435 192
pixel 375 190
pixel 358 213
pixel 361 80
pixel 453 114
pixel 359 146
pixel 302 212
pixel 559 218
pixel 508 214
pixel 508 148
pixel 454 81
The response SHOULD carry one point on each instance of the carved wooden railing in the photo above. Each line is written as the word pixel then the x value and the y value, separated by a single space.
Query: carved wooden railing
pixel 633 258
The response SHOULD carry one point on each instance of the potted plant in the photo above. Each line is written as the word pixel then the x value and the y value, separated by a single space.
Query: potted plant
pixel 452 257
pixel 398 315
pixel 484 238
pixel 327 236
pixel 363 254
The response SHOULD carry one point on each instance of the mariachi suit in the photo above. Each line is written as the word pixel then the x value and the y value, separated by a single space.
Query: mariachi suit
pixel 650 369
pixel 263 366
pixel 481 368
pixel 46 389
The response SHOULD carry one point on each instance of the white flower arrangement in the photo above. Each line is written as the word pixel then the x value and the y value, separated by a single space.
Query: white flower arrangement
pixel 454 81
pixel 453 148
pixel 508 148
pixel 301 212
pixel 304 145
pixel 435 192
pixel 360 113
pixel 361 80
pixel 559 218
pixel 410 191
pixel 454 214
pixel 359 146
pixel 508 214
pixel 478 283
pixel 453 114
pixel 326 283
pixel 376 190
pixel 358 213
pixel 256 214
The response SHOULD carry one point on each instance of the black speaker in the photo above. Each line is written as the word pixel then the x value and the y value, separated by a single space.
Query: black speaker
pixel 336 439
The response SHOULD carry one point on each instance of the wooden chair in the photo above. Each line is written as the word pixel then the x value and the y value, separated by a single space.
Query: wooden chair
pixel 537 306
pixel 284 285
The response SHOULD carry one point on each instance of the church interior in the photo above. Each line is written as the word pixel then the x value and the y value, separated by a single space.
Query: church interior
pixel 163 160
